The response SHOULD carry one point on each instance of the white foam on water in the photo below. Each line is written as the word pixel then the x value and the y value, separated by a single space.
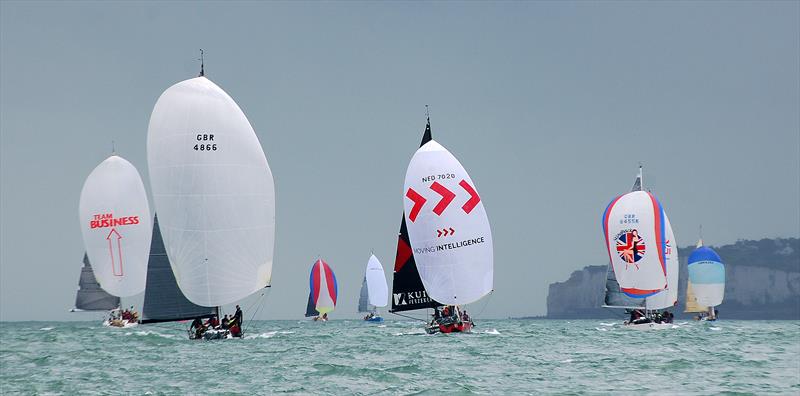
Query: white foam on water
pixel 47 328
pixel 607 324
pixel 268 334
pixel 148 333
pixel 567 361
pixel 715 328
pixel 381 326
pixel 492 331
pixel 600 329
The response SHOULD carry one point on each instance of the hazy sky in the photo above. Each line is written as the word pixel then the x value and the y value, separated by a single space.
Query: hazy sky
pixel 549 105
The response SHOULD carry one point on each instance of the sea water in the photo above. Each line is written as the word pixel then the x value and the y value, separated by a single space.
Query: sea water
pixel 397 357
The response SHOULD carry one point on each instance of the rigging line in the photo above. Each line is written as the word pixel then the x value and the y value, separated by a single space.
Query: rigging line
pixel 410 317
pixel 491 293
pixel 260 305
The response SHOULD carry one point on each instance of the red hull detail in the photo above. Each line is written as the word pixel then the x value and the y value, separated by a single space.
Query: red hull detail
pixel 462 327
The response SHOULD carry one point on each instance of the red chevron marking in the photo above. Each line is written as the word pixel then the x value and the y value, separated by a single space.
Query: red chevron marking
pixel 419 201
pixel 473 201
pixel 447 197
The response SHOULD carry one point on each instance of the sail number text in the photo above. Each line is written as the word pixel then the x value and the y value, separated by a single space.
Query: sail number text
pixel 205 137
pixel 439 177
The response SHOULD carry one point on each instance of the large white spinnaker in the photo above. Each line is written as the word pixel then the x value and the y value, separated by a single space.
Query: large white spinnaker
pixel 213 191
pixel 668 297
pixel 633 227
pixel 116 226
pixel 447 226
pixel 377 289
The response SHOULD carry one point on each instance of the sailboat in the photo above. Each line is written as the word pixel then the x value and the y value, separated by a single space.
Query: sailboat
pixel 636 232
pixel 90 296
pixel 448 233
pixel 115 223
pixel 374 290
pixel 214 194
pixel 706 281
pixel 323 291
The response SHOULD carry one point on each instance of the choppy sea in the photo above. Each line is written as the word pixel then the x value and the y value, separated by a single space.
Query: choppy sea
pixel 351 357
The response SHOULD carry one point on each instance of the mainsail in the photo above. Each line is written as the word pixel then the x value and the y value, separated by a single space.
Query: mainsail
pixel 691 301
pixel 214 193
pixel 363 297
pixel 408 293
pixel 116 226
pixel 90 296
pixel 448 227
pixel 163 300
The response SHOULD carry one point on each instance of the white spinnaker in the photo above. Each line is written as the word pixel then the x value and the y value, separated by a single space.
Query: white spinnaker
pixel 447 227
pixel 377 288
pixel 669 296
pixel 213 191
pixel 631 212
pixel 116 226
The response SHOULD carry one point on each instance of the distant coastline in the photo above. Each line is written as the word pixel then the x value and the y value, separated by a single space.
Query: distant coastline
pixel 763 283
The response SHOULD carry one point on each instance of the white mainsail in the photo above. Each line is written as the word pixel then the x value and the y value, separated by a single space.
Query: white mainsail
pixel 448 228
pixel 377 289
pixel 213 191
pixel 668 297
pixel 115 223
pixel 633 225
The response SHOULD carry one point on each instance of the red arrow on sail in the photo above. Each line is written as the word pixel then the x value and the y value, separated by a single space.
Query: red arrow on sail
pixel 473 201
pixel 111 252
pixel 439 233
pixel 447 197
pixel 419 201
pixel 452 231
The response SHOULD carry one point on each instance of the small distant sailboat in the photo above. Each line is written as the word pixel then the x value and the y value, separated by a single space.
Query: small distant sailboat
pixel 323 291
pixel 636 232
pixel 706 287
pixel 374 290
pixel 115 224
pixel 449 234
pixel 214 194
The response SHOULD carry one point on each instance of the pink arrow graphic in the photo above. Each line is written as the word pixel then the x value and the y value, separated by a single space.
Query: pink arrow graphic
pixel 419 201
pixel 447 197
pixel 111 252
pixel 474 198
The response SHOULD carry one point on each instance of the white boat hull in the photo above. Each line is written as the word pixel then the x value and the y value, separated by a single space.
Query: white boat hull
pixel 120 324
pixel 650 326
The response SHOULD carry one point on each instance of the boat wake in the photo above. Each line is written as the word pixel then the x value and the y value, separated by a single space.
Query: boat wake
pixel 147 333
pixel 492 332
pixel 413 332
pixel 46 328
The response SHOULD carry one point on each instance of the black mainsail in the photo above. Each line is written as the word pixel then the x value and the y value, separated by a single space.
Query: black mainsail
pixel 91 296
pixel 408 293
pixel 311 309
pixel 163 299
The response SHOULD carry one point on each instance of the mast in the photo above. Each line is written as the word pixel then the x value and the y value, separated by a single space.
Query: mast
pixel 408 293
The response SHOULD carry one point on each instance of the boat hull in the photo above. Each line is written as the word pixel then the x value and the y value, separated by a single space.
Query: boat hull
pixel 375 319
pixel 458 327
pixel 119 324
pixel 649 326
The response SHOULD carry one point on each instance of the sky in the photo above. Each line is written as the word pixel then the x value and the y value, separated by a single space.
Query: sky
pixel 550 106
